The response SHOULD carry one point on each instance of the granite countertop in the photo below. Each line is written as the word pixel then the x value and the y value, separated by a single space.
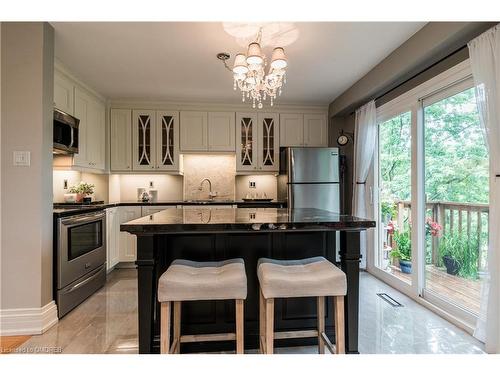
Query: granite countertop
pixel 249 219
pixel 61 210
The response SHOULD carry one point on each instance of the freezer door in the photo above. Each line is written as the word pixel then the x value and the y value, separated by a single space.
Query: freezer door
pixel 320 164
pixel 320 196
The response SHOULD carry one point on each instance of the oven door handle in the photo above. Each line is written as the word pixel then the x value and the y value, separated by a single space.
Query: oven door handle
pixel 83 282
pixel 83 218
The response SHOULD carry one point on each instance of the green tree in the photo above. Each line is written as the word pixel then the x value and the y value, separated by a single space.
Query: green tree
pixel 456 157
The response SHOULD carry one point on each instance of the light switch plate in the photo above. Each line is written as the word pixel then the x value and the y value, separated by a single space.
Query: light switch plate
pixel 22 158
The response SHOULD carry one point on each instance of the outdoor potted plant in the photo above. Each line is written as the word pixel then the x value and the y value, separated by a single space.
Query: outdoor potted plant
pixel 402 250
pixel 451 247
pixel 83 192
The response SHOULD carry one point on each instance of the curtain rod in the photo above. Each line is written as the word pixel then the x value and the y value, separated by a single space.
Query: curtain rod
pixel 415 75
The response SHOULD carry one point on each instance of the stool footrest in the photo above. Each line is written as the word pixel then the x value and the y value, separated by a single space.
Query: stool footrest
pixel 208 337
pixel 295 334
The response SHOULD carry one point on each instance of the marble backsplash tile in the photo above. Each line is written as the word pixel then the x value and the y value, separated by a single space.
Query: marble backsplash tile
pixel 220 169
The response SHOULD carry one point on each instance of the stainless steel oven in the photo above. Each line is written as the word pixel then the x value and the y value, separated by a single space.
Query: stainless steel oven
pixel 81 257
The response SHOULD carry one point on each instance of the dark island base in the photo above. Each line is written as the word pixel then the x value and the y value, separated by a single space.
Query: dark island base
pixel 157 251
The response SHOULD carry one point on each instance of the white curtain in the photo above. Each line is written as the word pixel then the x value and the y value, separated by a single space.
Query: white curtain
pixel 365 134
pixel 484 54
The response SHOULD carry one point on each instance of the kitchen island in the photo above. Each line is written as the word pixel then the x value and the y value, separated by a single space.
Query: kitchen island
pixel 213 234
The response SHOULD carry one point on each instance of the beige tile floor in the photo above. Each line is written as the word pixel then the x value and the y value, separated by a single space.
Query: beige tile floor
pixel 107 323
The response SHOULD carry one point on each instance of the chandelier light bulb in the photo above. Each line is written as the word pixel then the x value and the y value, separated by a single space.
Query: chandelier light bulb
pixel 254 54
pixel 278 59
pixel 240 64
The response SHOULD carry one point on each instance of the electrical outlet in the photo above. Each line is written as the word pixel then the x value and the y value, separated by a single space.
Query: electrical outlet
pixel 151 184
pixel 65 184
pixel 252 185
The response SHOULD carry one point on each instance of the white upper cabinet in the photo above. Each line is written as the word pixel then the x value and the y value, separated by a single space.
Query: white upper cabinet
pixel 291 129
pixel 246 142
pixel 257 143
pixel 221 131
pixel 207 131
pixel 194 131
pixel 315 130
pixel 143 140
pixel 72 98
pixel 167 140
pixel 268 141
pixel 91 130
pixel 309 130
pixel 121 140
pixel 63 93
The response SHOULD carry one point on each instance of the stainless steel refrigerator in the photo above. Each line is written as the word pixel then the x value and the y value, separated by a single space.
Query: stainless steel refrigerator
pixel 309 178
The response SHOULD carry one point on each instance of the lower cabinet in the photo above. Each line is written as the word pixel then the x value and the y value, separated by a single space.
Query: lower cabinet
pixel 112 237
pixel 128 242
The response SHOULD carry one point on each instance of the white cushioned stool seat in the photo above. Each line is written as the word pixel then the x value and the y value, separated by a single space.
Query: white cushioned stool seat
pixel 186 280
pixel 310 277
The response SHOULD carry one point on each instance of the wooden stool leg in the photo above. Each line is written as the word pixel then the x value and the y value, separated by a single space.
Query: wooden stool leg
pixel 177 327
pixel 262 323
pixel 339 324
pixel 165 328
pixel 321 324
pixel 239 326
pixel 269 325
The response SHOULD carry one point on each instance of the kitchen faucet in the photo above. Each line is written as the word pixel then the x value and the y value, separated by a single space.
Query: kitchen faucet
pixel 211 194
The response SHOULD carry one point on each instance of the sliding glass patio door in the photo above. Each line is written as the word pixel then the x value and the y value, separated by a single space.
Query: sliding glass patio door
pixel 431 181
pixel 456 191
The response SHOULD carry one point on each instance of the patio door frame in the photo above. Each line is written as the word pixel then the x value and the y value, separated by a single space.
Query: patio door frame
pixel 413 101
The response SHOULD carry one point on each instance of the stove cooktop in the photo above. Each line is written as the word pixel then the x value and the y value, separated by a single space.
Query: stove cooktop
pixel 78 205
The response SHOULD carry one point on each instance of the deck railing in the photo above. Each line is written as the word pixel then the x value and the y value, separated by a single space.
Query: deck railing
pixel 453 217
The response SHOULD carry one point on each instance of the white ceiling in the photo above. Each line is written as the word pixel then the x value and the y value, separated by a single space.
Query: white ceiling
pixel 176 60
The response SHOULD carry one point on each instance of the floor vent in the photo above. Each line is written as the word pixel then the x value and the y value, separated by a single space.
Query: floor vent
pixel 391 301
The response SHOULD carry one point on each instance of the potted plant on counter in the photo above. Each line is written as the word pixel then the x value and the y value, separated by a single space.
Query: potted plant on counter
pixel 83 192
pixel 402 250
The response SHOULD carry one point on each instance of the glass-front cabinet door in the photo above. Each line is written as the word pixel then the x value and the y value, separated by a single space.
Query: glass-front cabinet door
pixel 167 140
pixel 246 142
pixel 143 139
pixel 268 141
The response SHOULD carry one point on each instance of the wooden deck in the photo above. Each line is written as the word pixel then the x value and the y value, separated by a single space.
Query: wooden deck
pixel 463 292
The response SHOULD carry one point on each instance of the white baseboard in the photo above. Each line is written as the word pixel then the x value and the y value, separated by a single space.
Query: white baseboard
pixel 30 321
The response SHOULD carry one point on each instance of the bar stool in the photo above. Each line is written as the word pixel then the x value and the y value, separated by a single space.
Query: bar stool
pixel 186 280
pixel 311 277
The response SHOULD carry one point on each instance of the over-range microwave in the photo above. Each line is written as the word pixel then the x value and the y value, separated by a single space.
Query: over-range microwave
pixel 65 133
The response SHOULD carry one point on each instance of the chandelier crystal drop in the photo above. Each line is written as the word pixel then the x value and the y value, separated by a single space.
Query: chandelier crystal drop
pixel 249 73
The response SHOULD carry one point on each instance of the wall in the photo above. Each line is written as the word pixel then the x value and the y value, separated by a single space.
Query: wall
pixel 75 177
pixel 26 208
pixel 123 188
pixel 220 169
pixel 263 184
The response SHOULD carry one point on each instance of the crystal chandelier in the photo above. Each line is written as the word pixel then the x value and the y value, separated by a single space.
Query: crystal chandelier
pixel 249 73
